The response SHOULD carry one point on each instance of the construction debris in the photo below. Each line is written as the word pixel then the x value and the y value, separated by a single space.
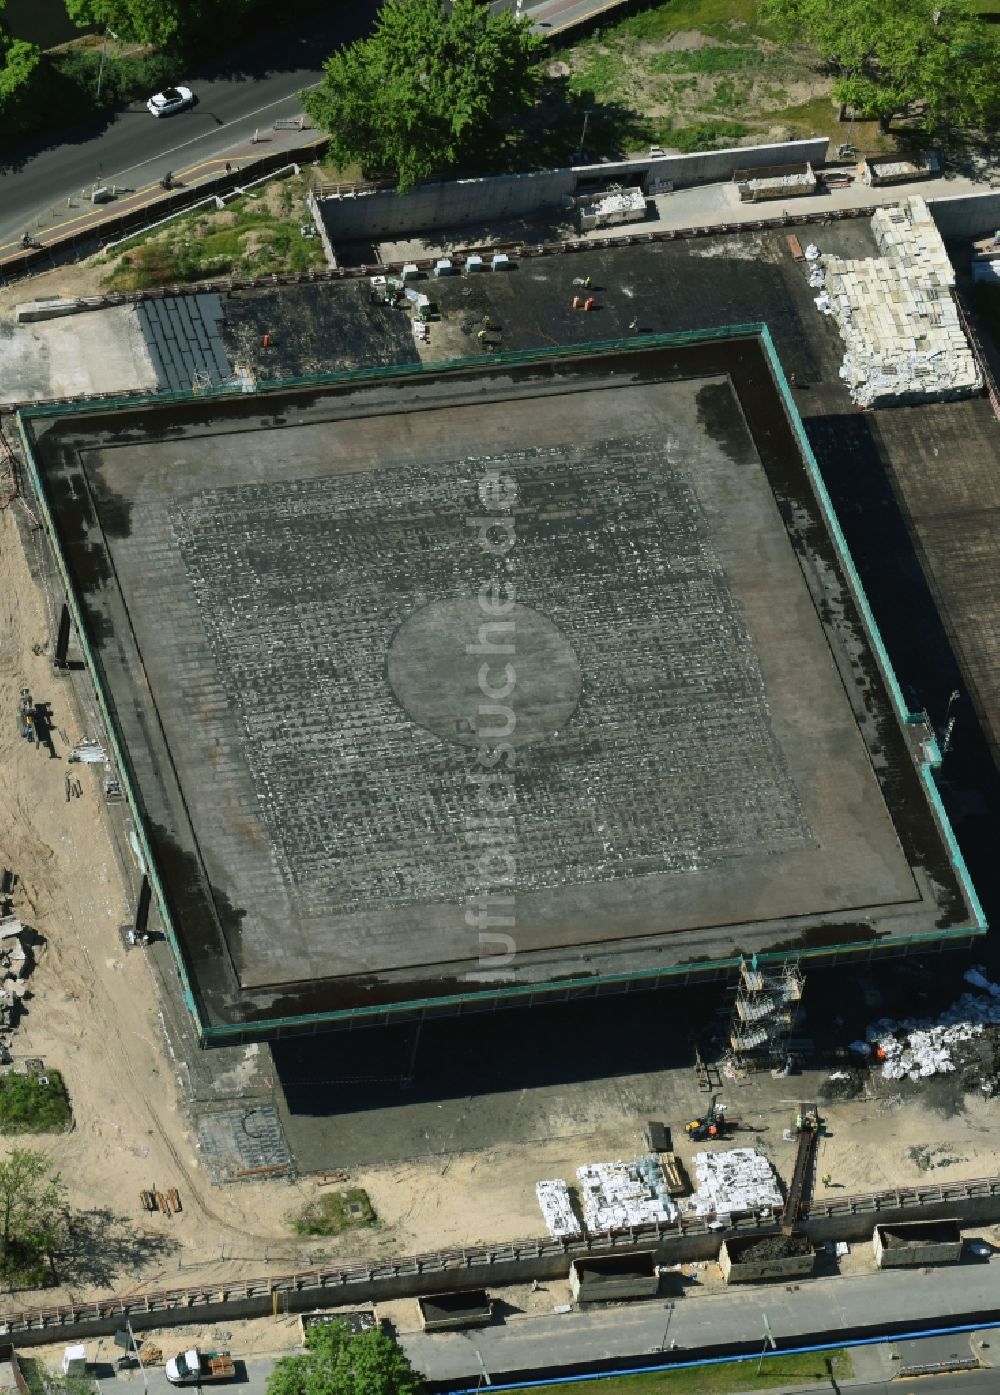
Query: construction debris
pixel 916 1048
pixel 775 182
pixel 889 169
pixel 88 753
pixel 553 1198
pixel 897 315
pixel 739 1181
pixel 616 205
pixel 617 1195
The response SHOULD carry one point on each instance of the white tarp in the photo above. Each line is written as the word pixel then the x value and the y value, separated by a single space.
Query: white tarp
pixel 617 1195
pixel 919 1047
pixel 553 1198
pixel 734 1180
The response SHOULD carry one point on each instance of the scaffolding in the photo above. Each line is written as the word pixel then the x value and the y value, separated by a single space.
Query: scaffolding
pixel 765 1012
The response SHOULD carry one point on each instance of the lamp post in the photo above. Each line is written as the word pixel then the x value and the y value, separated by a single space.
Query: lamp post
pixel 769 1342
pixel 137 1354
pixel 663 1339
pixel 104 53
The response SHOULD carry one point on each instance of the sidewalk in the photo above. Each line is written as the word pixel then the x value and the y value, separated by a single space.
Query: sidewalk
pixel 64 225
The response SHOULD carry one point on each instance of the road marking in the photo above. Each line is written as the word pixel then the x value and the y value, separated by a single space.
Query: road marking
pixel 136 194
pixel 207 134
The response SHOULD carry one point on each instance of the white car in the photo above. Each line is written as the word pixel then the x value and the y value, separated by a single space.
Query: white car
pixel 170 100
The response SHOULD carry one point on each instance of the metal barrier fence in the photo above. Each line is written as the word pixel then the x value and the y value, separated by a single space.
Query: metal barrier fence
pixel 117 224
pixel 469 1267
pixel 979 354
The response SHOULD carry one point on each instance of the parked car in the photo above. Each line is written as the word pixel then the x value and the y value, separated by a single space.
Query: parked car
pixel 195 1367
pixel 170 100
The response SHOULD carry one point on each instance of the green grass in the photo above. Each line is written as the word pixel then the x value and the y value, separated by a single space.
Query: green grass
pixel 726 1379
pixel 701 135
pixel 717 17
pixel 729 58
pixel 604 73
pixel 336 1212
pixel 246 238
pixel 41 1380
pixel 815 118
pixel 694 98
pixel 27 1106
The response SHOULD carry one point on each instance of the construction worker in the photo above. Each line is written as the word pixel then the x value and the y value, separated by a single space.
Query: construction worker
pixel 588 304
pixel 826 1179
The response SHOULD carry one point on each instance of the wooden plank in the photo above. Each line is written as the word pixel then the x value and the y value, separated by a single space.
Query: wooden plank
pixel 795 247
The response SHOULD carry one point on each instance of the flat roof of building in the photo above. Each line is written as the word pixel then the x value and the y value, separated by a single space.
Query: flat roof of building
pixel 284 600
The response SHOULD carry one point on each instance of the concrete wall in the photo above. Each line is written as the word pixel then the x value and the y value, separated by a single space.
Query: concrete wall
pixel 447 1311
pixel 614 1277
pixel 455 203
pixel 851 1218
pixel 969 215
pixel 790 1266
pixel 917 1243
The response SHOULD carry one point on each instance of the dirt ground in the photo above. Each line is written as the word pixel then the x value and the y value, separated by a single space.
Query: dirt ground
pixel 60 282
pixel 92 1011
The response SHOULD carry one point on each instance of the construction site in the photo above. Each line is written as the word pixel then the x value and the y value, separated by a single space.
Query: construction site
pixel 740 612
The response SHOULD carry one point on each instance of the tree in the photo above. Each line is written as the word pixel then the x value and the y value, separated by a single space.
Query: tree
pixel 31 1209
pixel 935 57
pixel 137 21
pixel 339 1362
pixel 426 88
pixel 18 62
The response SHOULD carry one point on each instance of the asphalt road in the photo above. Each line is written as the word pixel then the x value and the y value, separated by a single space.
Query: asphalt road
pixel 252 1374
pixel 817 1310
pixel 255 85
pixel 251 88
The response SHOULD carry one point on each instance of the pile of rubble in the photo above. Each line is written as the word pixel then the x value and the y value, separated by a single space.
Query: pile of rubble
pixel 737 1181
pixel 553 1198
pixel 14 968
pixel 617 1195
pixel 916 1047
pixel 897 315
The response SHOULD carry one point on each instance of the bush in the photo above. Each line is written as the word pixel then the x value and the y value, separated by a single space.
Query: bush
pixel 706 135
pixel 28 1106
pixel 336 1211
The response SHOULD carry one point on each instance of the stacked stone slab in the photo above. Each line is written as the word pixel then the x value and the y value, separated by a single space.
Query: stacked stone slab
pixel 897 315
pixel 557 1208
pixel 617 1195
pixel 739 1181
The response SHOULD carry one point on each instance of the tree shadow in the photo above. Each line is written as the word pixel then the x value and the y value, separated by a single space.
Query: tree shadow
pixel 567 126
pixel 100 1245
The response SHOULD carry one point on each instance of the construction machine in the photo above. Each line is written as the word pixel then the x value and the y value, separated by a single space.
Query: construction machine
pixel 713 1124
pixel 806 1127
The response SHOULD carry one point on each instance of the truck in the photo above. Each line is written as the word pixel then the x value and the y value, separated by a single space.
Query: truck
pixel 195 1367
